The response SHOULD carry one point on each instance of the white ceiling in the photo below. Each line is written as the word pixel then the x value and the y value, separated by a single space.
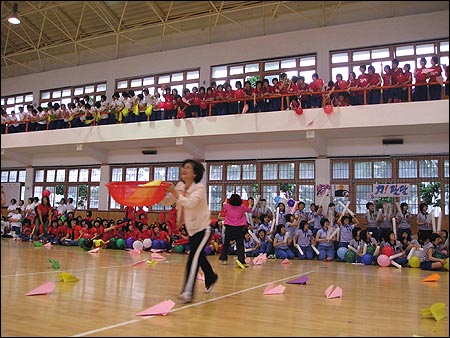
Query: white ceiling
pixel 60 34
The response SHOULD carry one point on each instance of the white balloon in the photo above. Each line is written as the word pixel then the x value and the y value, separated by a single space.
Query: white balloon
pixel 147 243
pixel 137 245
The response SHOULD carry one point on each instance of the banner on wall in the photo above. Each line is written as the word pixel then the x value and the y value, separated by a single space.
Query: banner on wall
pixel 9 191
pixel 340 190
pixel 322 188
pixel 389 190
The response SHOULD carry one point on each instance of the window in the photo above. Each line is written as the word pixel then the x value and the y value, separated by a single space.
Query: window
pixel 13 102
pixel 68 94
pixel 340 170
pixel 15 176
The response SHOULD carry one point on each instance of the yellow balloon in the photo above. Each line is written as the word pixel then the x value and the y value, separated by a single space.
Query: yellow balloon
pixel 414 262
pixel 446 264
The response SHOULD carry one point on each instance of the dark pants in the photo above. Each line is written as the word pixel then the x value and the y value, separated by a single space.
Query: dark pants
pixel 236 232
pixel 197 258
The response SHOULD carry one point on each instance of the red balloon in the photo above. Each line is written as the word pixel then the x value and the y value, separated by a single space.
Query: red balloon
pixel 197 100
pixel 181 114
pixel 328 109
pixel 46 193
pixel 299 111
pixel 168 105
pixel 387 250
pixel 203 105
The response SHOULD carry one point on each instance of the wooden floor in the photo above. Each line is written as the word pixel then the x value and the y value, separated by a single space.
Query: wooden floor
pixel 103 303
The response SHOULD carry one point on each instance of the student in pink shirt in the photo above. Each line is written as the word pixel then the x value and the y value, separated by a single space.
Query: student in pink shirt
pixel 235 225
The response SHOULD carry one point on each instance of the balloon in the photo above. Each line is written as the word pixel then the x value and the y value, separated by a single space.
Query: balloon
pixel 299 111
pixel 350 256
pixel 147 243
pixel 446 264
pixel 203 105
pixel 414 262
pixel 129 242
pixel 367 259
pixel 328 109
pixel 387 250
pixel 88 243
pixel 291 203
pixel 383 260
pixel 370 250
pixel 438 254
pixel 46 193
pixel 162 105
pixel 168 105
pixel 341 252
pixel 181 114
pixel 81 243
pixel 138 245
pixel 120 243
pixel 179 248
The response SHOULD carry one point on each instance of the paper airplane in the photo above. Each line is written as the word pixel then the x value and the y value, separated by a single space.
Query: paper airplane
pixel 432 278
pixel 42 290
pixel 38 244
pixel 141 262
pixel 156 250
pixel 301 280
pixel 200 276
pixel 274 290
pixel 54 263
pixel 286 261
pixel 257 260
pixel 134 252
pixel 162 308
pixel 157 256
pixel 336 293
pixel 436 311
pixel 239 264
pixel 94 250
pixel 67 277
pixel 152 263
pixel 48 245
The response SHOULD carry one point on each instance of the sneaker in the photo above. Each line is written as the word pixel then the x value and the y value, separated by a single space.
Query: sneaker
pixel 185 298
pixel 208 289
pixel 223 262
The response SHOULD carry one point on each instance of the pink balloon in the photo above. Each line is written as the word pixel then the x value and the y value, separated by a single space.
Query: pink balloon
pixel 383 260
pixel 328 109
pixel 46 193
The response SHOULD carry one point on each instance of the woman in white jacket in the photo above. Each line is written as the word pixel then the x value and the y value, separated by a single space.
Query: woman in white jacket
pixel 192 211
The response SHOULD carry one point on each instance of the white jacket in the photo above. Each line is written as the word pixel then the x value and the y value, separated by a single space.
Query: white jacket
pixel 194 206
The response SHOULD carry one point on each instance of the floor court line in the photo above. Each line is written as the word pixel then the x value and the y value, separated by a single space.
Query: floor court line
pixel 82 334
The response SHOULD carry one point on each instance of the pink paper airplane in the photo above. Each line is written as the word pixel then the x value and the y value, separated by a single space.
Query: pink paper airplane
pixel 301 280
pixel 157 256
pixel 200 276
pixel 48 245
pixel 257 261
pixel 94 250
pixel 162 308
pixel 274 290
pixel 286 261
pixel 42 290
pixel 141 262
pixel 134 252
pixel 336 293
pixel 156 250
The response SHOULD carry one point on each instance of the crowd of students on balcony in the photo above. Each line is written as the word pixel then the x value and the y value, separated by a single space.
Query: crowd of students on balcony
pixel 394 85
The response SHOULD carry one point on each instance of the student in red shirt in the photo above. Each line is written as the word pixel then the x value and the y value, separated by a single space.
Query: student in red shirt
pixel 353 84
pixel 220 107
pixel 435 75
pixel 43 218
pixel 316 86
pixel 364 83
pixel 375 81
pixel 305 93
pixel 387 81
pixel 265 102
pixel 406 80
pixel 397 74
pixel 160 239
pixel 421 76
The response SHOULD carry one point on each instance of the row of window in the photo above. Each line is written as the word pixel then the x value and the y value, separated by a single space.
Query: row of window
pixel 342 62
pixel 295 179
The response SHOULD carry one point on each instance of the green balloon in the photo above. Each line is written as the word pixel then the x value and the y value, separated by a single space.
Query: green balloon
pixel 120 243
pixel 81 243
pixel 179 248
pixel 438 255
pixel 350 256
pixel 112 243
pixel 370 250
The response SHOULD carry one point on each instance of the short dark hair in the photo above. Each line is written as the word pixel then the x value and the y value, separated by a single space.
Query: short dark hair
pixel 199 169
pixel 235 200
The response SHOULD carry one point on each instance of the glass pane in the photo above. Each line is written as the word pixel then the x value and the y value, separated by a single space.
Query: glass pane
pixel 233 82
pixel 173 173
pixel 308 61
pixel 130 174
pixel 38 191
pixel 236 70
pixel 191 85
pixel 66 101
pixel 249 172
pixel 289 63
pixel 307 74
pixel 51 175
pixel 159 173
pixel 306 194
pixel 428 168
pixel 122 84
pixel 407 169
pixel 363 169
pixel 287 171
pixel 101 87
pixel 89 89
pixel 339 70
pixel 362 197
pixel 60 175
pixel 84 175
pixel 270 171
pixel 412 199
pixel 306 170
pixel 13 176
pixel 39 176
pixel 274 65
pixel 380 53
pixel 425 49
pixel 148 81
pixel 72 192
pixel 136 83
pixel 443 46
pixel 218 72
pixel 95 175
pixel 215 172
pixel 82 197
pixel 269 192
pixel 11 100
pixel 404 50
pixel 444 61
pixel 73 175
pixel 78 91
pixel 143 174
pixel 22 175
pixel 341 170
pixel 382 169
pixel 215 197
pixel 233 172
pixel 446 169
pixel 251 68
pixel 56 94
pixel 93 197
pixel 19 99
pixel 116 175
pixel 177 77
pixel 192 75
pixel 44 96
pixel 446 199
pixel 29 98
pixel 67 92
pixel 339 57
pixel 291 73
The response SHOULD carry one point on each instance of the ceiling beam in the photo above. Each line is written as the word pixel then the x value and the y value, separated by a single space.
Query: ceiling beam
pixel 13 155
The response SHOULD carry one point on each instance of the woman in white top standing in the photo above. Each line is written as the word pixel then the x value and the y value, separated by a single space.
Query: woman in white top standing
pixel 192 211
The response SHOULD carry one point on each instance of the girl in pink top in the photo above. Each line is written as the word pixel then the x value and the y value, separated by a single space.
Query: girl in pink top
pixel 235 225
